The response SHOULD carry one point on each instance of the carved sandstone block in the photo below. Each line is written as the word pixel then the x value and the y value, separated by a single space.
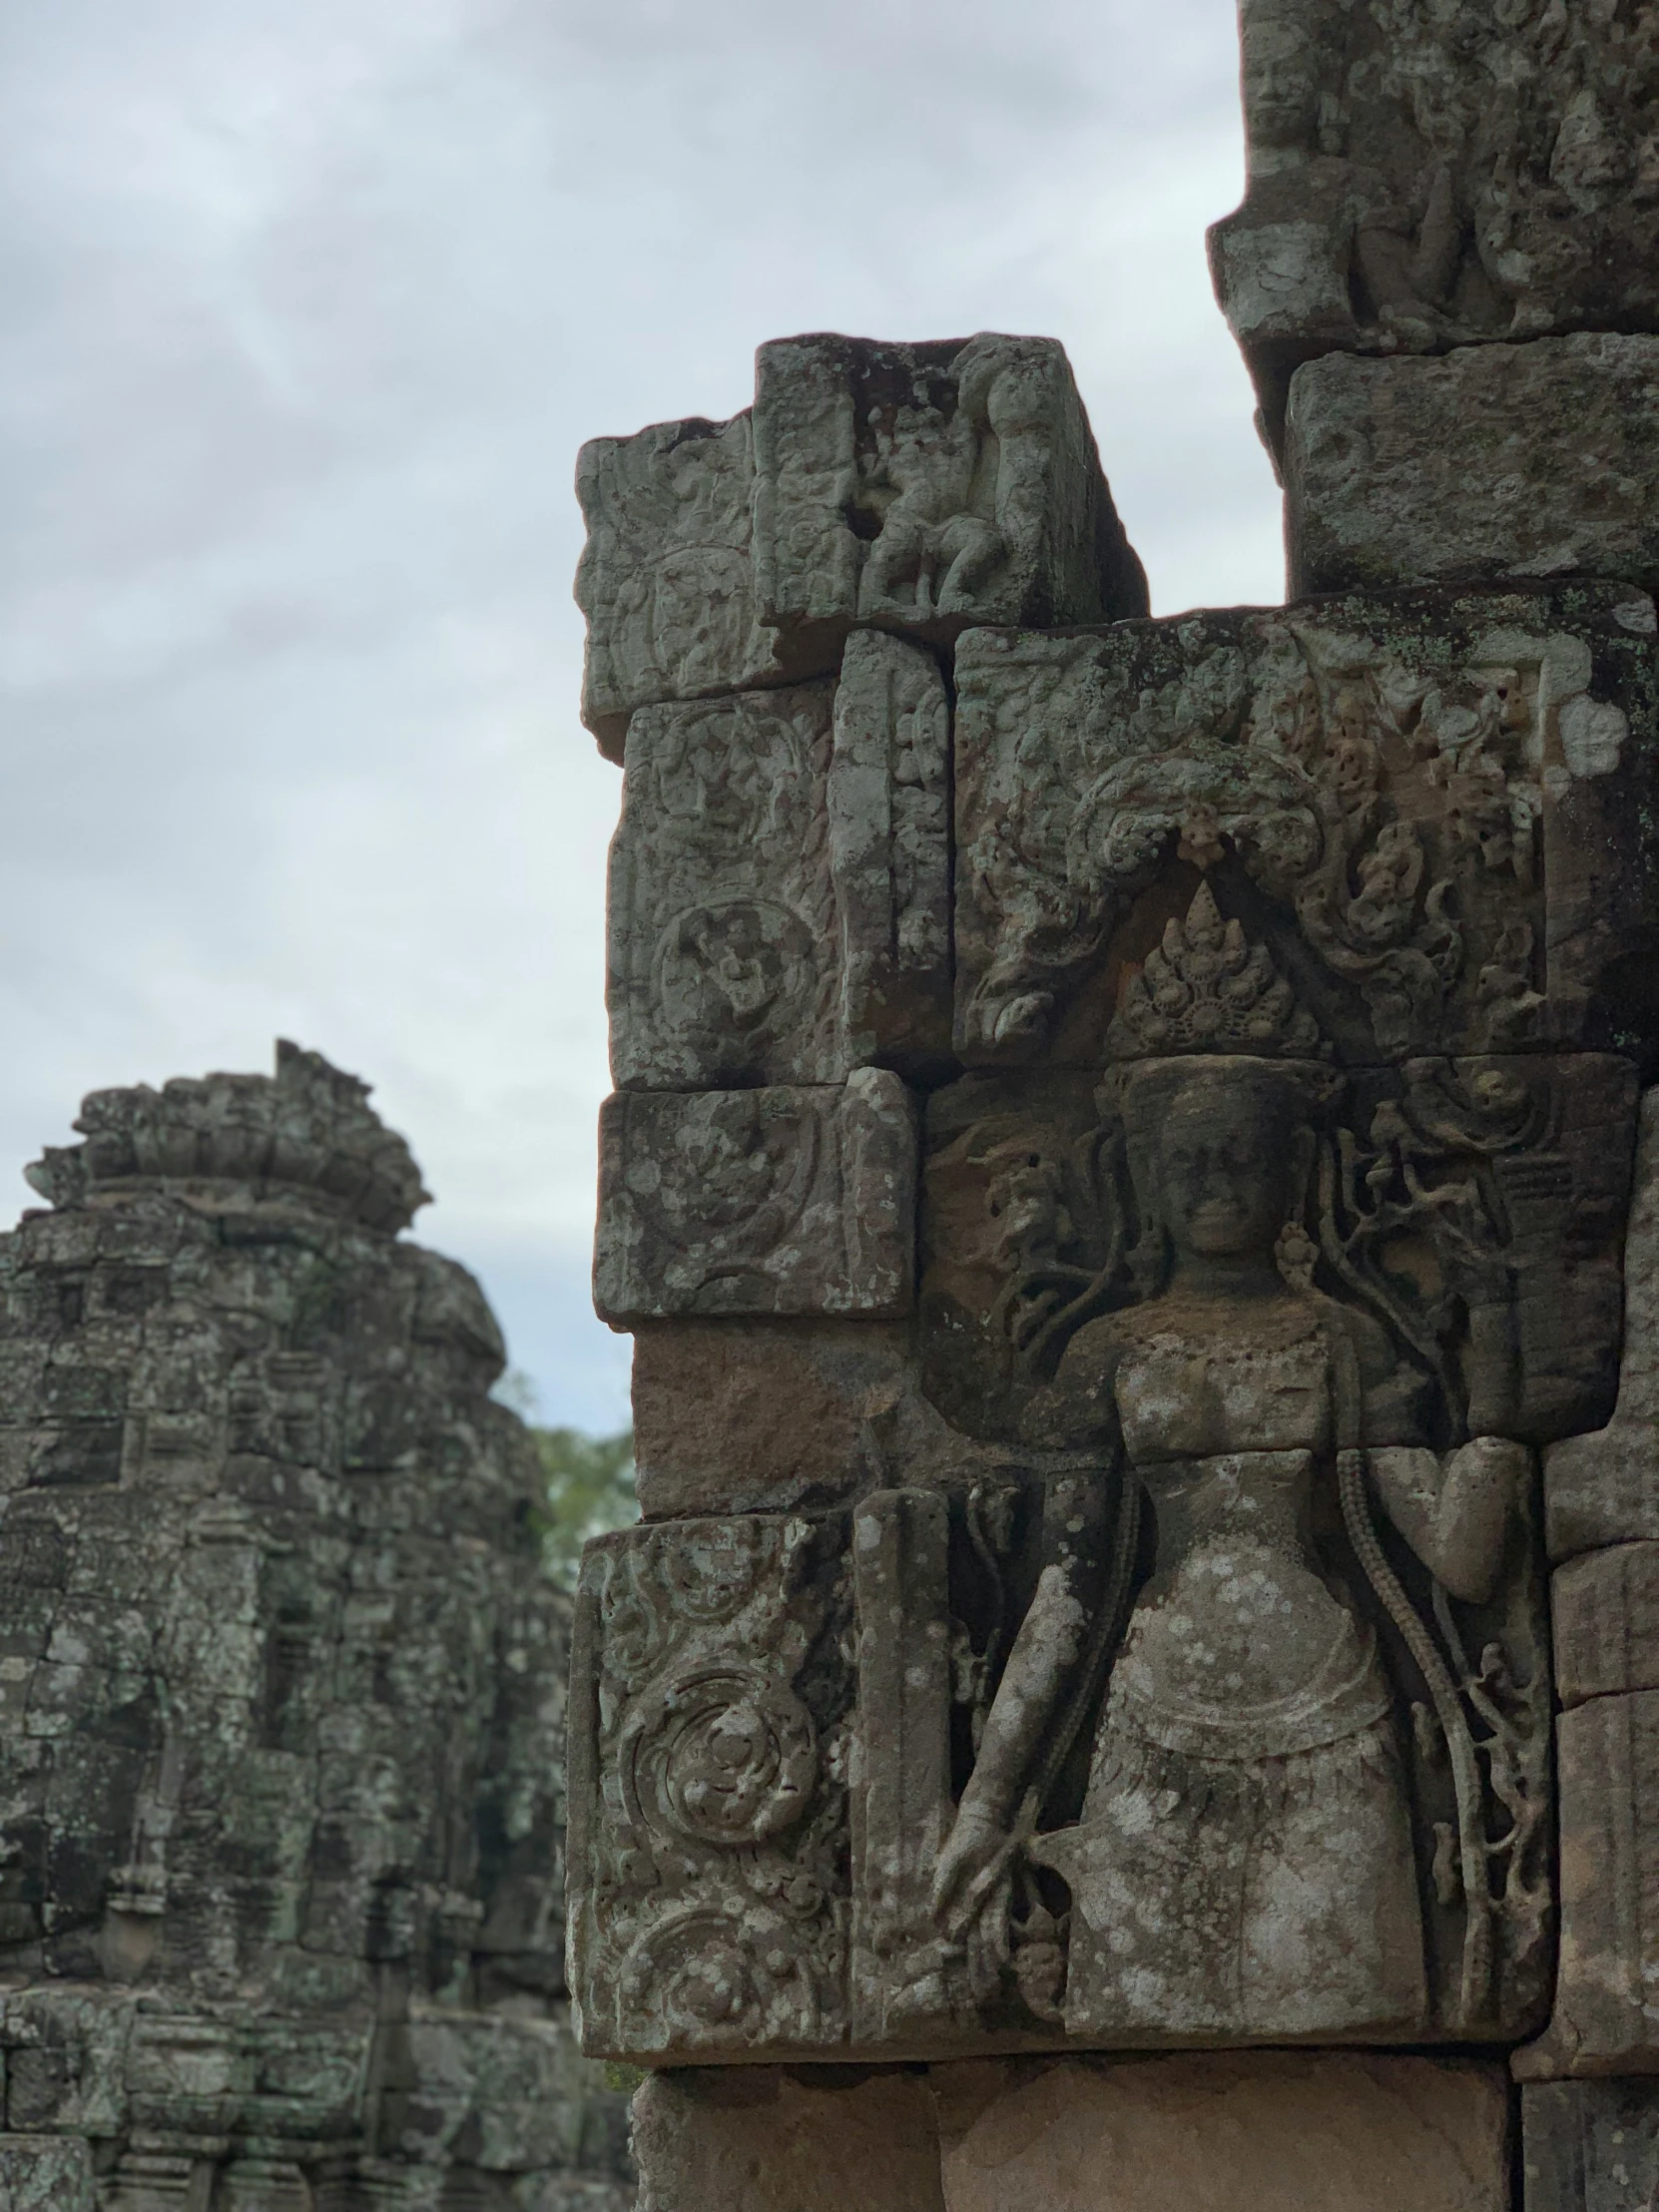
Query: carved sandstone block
pixel 769 2139
pixel 1605 1609
pixel 722 919
pixel 1266 2131
pixel 765 1416
pixel 1603 1488
pixel 666 578
pixel 777 1201
pixel 1416 181
pixel 1495 461
pixel 780 880
pixel 1606 2017
pixel 709 1691
pixel 914 488
pixel 928 487
pixel 1431 806
pixel 1590 2146
pixel 901 1801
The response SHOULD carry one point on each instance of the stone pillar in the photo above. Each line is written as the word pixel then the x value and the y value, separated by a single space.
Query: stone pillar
pixel 282 1686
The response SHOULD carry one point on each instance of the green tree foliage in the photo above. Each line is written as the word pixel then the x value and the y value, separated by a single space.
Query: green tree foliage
pixel 590 1480
pixel 590 1489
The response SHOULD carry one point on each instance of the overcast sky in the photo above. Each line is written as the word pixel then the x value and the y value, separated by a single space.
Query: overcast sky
pixel 305 309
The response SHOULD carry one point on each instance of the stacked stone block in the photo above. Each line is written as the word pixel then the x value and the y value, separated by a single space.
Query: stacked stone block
pixel 898 937
pixel 281 1688
pixel 1446 279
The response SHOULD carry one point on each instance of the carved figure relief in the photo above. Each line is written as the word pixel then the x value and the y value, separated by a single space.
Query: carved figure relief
pixel 1419 181
pixel 1427 812
pixel 931 487
pixel 707 1773
pixel 1331 1679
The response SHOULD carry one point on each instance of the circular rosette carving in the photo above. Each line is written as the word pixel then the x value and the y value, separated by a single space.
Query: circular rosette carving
pixel 735 975
pixel 724 1755
pixel 707 1978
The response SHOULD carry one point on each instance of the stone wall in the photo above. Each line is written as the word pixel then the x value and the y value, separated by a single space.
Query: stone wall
pixel 1132 1175
pixel 281 1688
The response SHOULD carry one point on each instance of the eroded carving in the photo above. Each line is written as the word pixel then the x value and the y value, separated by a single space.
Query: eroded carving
pixel 1423 799
pixel 930 487
pixel 1303 1713
pixel 777 1201
pixel 1417 179
pixel 708 1761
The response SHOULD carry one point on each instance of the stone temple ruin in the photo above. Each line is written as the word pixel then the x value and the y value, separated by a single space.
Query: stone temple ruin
pixel 1132 1180
pixel 282 1690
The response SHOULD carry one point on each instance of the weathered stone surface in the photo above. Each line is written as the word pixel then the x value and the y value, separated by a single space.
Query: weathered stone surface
pixel 764 1416
pixel 1277 2131
pixel 708 1819
pixel 1590 2146
pixel 1418 181
pixel 780 880
pixel 1605 1608
pixel 1603 1488
pixel 916 489
pixel 889 853
pixel 1495 461
pixel 39 2174
pixel 280 1679
pixel 1433 804
pixel 1508 1175
pixel 777 1201
pixel 766 2139
pixel 666 578
pixel 928 487
pixel 723 953
pixel 1606 2017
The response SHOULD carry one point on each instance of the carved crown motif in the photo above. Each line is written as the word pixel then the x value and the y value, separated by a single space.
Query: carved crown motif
pixel 1207 988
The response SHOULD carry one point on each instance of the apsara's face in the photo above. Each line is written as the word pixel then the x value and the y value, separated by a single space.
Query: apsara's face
pixel 1224 1158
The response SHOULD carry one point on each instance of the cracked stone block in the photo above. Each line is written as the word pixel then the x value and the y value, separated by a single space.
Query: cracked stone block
pixel 1492 462
pixel 788 1200
pixel 1590 2146
pixel 1419 181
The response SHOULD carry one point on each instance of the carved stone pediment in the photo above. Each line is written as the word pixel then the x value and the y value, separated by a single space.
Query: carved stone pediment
pixel 1429 807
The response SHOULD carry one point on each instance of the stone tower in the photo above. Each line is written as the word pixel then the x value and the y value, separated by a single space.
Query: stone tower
pixel 1131 1179
pixel 281 1688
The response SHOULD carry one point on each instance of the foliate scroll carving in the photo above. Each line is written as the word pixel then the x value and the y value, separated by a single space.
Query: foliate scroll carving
pixel 722 917
pixel 1418 181
pixel 666 578
pixel 1416 798
pixel 924 488
pixel 779 906
pixel 776 1201
pixel 712 1685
